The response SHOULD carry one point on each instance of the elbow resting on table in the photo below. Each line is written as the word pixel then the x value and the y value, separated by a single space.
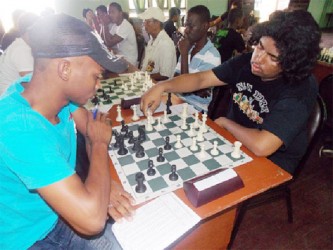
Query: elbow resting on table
pixel 91 226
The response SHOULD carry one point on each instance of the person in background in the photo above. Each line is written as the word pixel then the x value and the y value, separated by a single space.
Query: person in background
pixel 160 53
pixel 122 39
pixel 197 53
pixel 105 22
pixel 13 33
pixel 273 89
pixel 169 25
pixel 17 59
pixel 43 201
pixel 234 5
pixel 91 19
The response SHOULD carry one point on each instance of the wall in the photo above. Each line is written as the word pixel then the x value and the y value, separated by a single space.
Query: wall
pixel 216 7
pixel 318 9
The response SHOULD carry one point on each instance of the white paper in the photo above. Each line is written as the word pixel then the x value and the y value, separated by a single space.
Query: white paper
pixel 156 224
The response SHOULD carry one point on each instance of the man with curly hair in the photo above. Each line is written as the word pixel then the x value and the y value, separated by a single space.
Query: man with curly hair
pixel 273 88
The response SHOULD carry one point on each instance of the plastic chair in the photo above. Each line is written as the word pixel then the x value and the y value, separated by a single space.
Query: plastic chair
pixel 314 125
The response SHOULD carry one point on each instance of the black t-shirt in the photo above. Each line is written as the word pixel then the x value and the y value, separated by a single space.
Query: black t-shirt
pixel 169 27
pixel 228 40
pixel 275 106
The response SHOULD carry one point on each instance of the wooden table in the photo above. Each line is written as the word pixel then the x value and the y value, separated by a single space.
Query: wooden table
pixel 322 70
pixel 217 217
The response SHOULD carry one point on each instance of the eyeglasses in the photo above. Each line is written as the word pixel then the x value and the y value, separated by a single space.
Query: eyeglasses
pixel 149 20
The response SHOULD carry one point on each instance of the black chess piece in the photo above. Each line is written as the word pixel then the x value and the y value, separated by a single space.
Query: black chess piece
pixel 95 100
pixel 126 135
pixel 117 136
pixel 167 145
pixel 136 145
pixel 168 104
pixel 140 187
pixel 122 126
pixel 140 152
pixel 122 150
pixel 160 157
pixel 151 171
pixel 131 138
pixel 173 176
pixel 142 133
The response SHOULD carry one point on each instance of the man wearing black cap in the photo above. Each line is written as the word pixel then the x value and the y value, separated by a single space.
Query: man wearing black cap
pixel 43 202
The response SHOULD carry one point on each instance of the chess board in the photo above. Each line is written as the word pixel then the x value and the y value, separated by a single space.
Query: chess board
pixel 189 164
pixel 112 91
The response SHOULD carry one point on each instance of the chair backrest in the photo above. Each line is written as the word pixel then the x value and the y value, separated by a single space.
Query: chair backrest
pixel 315 122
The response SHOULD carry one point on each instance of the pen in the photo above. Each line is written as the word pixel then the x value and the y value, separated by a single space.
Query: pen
pixel 95 110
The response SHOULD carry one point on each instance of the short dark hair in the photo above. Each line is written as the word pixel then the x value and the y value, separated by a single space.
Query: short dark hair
pixel 102 8
pixel 85 11
pixel 116 5
pixel 233 15
pixel 297 36
pixel 174 11
pixel 202 11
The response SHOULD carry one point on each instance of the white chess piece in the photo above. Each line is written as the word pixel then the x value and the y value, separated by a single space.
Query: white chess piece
pixel 184 125
pixel 152 120
pixel 214 151
pixel 196 120
pixel 203 124
pixel 200 135
pixel 178 142
pixel 194 146
pixel 184 112
pixel 119 117
pixel 135 116
pixel 149 127
pixel 236 153
pixel 165 116
pixel 202 153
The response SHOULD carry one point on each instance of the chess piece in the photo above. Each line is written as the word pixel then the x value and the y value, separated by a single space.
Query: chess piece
pixel 126 136
pixel 149 127
pixel 165 116
pixel 151 171
pixel 142 133
pixel 140 187
pixel 159 126
pixel 119 117
pixel 184 126
pixel 168 104
pixel 131 138
pixel 236 153
pixel 117 136
pixel 214 151
pixel 200 135
pixel 140 152
pixel 178 142
pixel 194 146
pixel 203 124
pixel 122 122
pixel 135 116
pixel 160 157
pixel 167 145
pixel 184 111
pixel 136 145
pixel 191 133
pixel 122 150
pixel 202 153
pixel 173 176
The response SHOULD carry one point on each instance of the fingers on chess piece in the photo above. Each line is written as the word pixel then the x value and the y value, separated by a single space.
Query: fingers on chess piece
pixel 173 176
pixel 140 187
pixel 151 170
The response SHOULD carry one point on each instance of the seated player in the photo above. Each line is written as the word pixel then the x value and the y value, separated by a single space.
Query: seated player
pixel 273 88
pixel 122 39
pixel 197 53
pixel 44 204
pixel 160 53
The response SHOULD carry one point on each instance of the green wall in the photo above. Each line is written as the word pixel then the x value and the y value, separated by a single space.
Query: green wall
pixel 216 7
pixel 319 10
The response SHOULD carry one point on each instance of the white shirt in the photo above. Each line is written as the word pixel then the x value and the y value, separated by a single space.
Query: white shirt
pixel 15 59
pixel 160 56
pixel 128 46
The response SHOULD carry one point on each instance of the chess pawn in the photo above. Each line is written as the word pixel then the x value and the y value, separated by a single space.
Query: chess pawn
pixel 214 151
pixel 196 120
pixel 200 135
pixel 191 133
pixel 159 123
pixel 203 124
pixel 178 143
pixel 236 153
pixel 165 116
pixel 184 126
pixel 184 112
pixel 202 153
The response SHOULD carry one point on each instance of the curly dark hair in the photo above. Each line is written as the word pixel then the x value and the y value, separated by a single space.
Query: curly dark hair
pixel 297 37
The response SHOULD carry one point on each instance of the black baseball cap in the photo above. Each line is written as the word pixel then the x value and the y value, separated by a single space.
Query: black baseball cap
pixel 61 35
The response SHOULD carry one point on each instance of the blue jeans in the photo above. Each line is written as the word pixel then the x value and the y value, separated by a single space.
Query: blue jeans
pixel 63 237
